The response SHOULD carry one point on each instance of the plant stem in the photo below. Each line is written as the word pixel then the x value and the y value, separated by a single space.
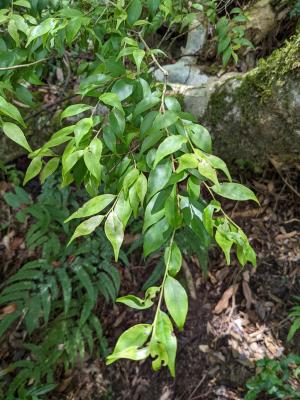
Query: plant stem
pixel 23 65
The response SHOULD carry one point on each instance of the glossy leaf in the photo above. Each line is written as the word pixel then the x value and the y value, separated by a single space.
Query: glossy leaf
pixel 114 231
pixel 169 146
pixel 11 111
pixel 176 301
pixel 13 132
pixel 87 227
pixel 74 110
pixel 93 206
pixel 33 169
pixel 235 191
pixel 173 259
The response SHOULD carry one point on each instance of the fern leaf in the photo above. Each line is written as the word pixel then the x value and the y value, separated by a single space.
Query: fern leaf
pixel 33 314
pixel 66 286
pixel 25 275
pixel 23 286
pixel 7 321
pixel 46 302
pixel 106 287
pixel 84 278
pixel 113 274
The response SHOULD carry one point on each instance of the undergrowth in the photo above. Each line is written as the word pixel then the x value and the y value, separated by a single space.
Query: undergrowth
pixel 54 299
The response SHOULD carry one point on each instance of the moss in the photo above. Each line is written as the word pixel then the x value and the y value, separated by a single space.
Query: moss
pixel 270 72
pixel 256 84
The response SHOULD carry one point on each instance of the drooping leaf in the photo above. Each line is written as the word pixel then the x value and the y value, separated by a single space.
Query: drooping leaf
pixel 173 259
pixel 11 111
pixel 176 301
pixel 156 236
pixel 33 169
pixel 130 342
pixel 87 227
pixel 74 110
pixel 114 231
pixel 169 146
pixel 234 191
pixel 93 206
pixel 134 11
pixel 49 168
pixel 14 133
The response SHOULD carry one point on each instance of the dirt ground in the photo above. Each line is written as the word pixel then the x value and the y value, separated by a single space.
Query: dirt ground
pixel 235 316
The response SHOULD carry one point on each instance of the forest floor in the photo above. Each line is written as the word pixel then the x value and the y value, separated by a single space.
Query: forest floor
pixel 235 317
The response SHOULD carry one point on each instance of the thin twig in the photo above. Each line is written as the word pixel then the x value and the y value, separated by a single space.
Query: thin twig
pixel 197 387
pixel 50 105
pixel 283 178
pixel 23 65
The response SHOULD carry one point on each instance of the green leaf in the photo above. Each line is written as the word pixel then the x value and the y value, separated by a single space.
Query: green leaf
pixel 70 160
pixel 172 212
pixel 11 111
pixel 123 209
pixel 66 287
pixel 129 180
pixel 114 231
pixel 293 329
pixel 13 31
pixel 224 42
pixel 33 169
pixel 129 343
pixel 141 187
pixel 46 26
pixel 137 303
pixel 208 221
pixel 226 55
pixel 163 345
pixel 163 121
pixel 86 282
pixel 138 56
pixel 111 99
pixel 225 244
pixel 172 104
pixel 158 178
pixel 93 206
pixel 207 171
pixel 146 104
pixel 217 163
pixel 187 161
pixel 14 133
pixel 200 137
pixel 123 89
pixel 156 236
pixel 87 227
pixel 134 11
pixel 131 353
pixel 82 128
pixel 193 187
pixel 74 110
pixel 92 155
pixel 134 336
pixel 176 301
pixel 155 209
pixel 234 191
pixel 22 3
pixel 169 146
pixel 173 259
pixel 49 168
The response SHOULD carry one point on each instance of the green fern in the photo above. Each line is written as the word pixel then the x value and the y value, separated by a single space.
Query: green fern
pixel 56 295
pixel 295 315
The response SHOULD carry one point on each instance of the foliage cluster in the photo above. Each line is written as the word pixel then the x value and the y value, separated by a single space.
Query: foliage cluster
pixel 136 153
pixel 278 378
